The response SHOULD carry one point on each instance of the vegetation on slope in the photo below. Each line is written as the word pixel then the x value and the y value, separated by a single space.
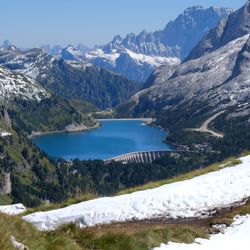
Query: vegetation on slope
pixel 100 87
pixel 211 168
pixel 70 237
pixel 51 114
pixel 121 236
pixel 135 235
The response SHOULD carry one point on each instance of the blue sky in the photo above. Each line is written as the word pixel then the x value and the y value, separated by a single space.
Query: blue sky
pixel 30 23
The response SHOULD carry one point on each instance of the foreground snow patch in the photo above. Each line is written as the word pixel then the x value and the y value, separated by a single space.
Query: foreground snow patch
pixel 16 244
pixel 191 198
pixel 234 237
pixel 12 209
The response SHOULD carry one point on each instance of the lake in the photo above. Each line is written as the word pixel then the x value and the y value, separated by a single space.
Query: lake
pixel 113 138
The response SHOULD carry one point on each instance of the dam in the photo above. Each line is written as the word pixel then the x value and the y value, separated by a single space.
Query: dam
pixel 139 157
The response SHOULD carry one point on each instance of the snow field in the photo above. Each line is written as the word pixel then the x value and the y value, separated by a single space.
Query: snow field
pixel 190 198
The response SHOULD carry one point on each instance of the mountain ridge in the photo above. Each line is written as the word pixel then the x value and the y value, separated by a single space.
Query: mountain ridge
pixel 70 79
pixel 135 56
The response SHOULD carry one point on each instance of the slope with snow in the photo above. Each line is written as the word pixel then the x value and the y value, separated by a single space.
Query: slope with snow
pixel 134 66
pixel 234 237
pixel 136 56
pixel 196 197
pixel 15 85
pixel 12 209
pixel 70 79
pixel 217 80
pixel 214 77
pixel 176 39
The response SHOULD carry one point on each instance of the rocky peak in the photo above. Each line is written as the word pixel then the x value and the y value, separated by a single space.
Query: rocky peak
pixel 6 43
pixel 234 26
pixel 117 39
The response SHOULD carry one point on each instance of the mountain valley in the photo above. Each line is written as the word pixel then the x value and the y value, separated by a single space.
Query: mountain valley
pixel 190 82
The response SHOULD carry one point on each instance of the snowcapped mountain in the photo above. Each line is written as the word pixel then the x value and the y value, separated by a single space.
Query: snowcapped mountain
pixel 232 27
pixel 14 85
pixel 176 39
pixel 136 56
pixel 211 79
pixel 53 51
pixel 56 50
pixel 32 63
pixel 6 43
pixel 71 53
pixel 128 63
pixel 70 79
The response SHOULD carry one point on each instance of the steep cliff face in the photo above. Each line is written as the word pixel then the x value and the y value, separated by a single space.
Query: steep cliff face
pixel 176 39
pixel 214 77
pixel 230 28
pixel 135 56
pixel 164 47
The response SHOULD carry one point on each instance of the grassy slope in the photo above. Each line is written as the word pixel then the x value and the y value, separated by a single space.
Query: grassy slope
pixel 131 236
pixel 70 237
pixel 23 160
pixel 50 115
pixel 134 235
pixel 214 167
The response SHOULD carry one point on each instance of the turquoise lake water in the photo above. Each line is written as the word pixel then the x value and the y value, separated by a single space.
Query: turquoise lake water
pixel 113 138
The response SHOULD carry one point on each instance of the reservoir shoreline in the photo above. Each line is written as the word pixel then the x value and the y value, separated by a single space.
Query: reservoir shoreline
pixel 113 137
pixel 148 121
pixel 39 133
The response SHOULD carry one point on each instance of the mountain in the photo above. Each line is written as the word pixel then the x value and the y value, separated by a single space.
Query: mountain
pixel 136 56
pixel 26 173
pixel 71 53
pixel 56 50
pixel 14 85
pixel 72 80
pixel 176 39
pixel 212 79
pixel 34 108
pixel 132 65
pixel 53 51
pixel 229 29
pixel 6 43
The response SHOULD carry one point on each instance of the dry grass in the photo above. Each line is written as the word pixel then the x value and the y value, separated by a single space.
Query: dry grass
pixel 130 236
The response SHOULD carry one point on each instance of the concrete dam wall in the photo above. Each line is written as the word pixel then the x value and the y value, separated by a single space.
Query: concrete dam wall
pixel 139 157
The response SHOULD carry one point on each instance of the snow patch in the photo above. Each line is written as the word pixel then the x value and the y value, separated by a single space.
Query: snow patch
pixel 13 209
pixel 190 198
pixel 16 244
pixel 234 237
pixel 14 85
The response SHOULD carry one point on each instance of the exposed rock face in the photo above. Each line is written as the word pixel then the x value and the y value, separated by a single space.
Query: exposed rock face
pixel 202 79
pixel 214 77
pixel 6 184
pixel 78 80
pixel 136 56
pixel 229 29
pixel 176 39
